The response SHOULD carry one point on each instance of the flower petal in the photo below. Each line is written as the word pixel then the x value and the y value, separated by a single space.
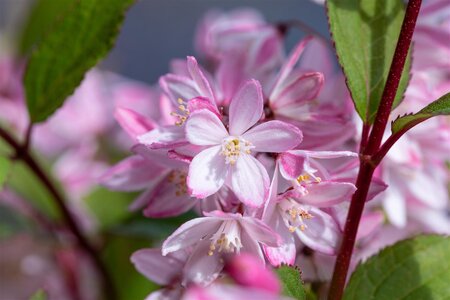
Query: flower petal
pixel 291 165
pixel 202 268
pixel 199 103
pixel 205 128
pixel 160 269
pixel 246 107
pixel 177 87
pixel 169 198
pixel 302 90
pixel 131 174
pixel 132 122
pixel 190 233
pixel 200 80
pixel 328 193
pixel 165 137
pixel 207 172
pixel 274 136
pixel 249 180
pixel 285 252
pixel 260 231
pixel 322 232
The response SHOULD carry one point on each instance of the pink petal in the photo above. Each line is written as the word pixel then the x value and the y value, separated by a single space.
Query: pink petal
pixel 168 199
pixel 205 128
pixel 132 122
pixel 246 107
pixel 271 202
pixel 369 223
pixel 165 137
pixel 288 67
pixel 199 103
pixel 324 154
pixel 190 233
pixel 131 174
pixel 302 90
pixel 200 80
pixel 285 252
pixel 251 246
pixel 274 136
pixel 207 172
pixel 178 87
pixel 157 156
pixel 202 268
pixel 160 269
pixel 260 232
pixel 249 180
pixel 291 165
pixel 322 232
pixel 329 193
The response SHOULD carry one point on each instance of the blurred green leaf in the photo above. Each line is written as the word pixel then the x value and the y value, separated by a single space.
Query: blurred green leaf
pixel 109 207
pixel 84 35
pixel 152 229
pixel 44 15
pixel 291 282
pixel 130 283
pixel 437 108
pixel 5 166
pixel 11 222
pixel 417 268
pixel 26 185
pixel 365 34
pixel 39 295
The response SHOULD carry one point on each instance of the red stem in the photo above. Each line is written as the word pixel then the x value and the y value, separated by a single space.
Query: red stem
pixel 368 165
pixel 23 154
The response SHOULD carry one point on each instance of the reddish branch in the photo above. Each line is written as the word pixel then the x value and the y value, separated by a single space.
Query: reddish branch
pixel 22 153
pixel 368 164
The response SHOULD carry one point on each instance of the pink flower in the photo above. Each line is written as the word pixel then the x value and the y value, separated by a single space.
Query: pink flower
pixel 215 235
pixel 219 291
pixel 296 97
pixel 227 157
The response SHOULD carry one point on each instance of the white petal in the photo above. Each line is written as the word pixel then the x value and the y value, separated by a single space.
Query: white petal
pixel 204 128
pixel 249 180
pixel 190 233
pixel 246 107
pixel 207 172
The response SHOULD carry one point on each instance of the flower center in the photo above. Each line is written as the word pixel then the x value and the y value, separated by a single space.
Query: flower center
pixel 178 178
pixel 302 180
pixel 294 215
pixel 232 147
pixel 226 239
pixel 182 114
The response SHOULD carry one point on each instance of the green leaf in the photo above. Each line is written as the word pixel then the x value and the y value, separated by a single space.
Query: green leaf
pixel 365 33
pixel 39 295
pixel 84 35
pixel 291 282
pixel 44 15
pixel 5 165
pixel 417 268
pixel 129 282
pixel 436 108
pixel 109 207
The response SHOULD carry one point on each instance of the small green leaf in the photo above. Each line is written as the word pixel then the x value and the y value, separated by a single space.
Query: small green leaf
pixel 417 268
pixel 5 165
pixel 365 33
pixel 436 108
pixel 39 295
pixel 291 282
pixel 84 35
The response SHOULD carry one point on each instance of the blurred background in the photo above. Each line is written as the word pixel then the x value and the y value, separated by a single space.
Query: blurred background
pixel 156 31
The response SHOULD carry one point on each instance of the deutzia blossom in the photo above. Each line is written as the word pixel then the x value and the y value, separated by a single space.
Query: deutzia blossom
pixel 227 158
pixel 215 235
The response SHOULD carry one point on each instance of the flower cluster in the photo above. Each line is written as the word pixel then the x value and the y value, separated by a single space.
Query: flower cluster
pixel 260 144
